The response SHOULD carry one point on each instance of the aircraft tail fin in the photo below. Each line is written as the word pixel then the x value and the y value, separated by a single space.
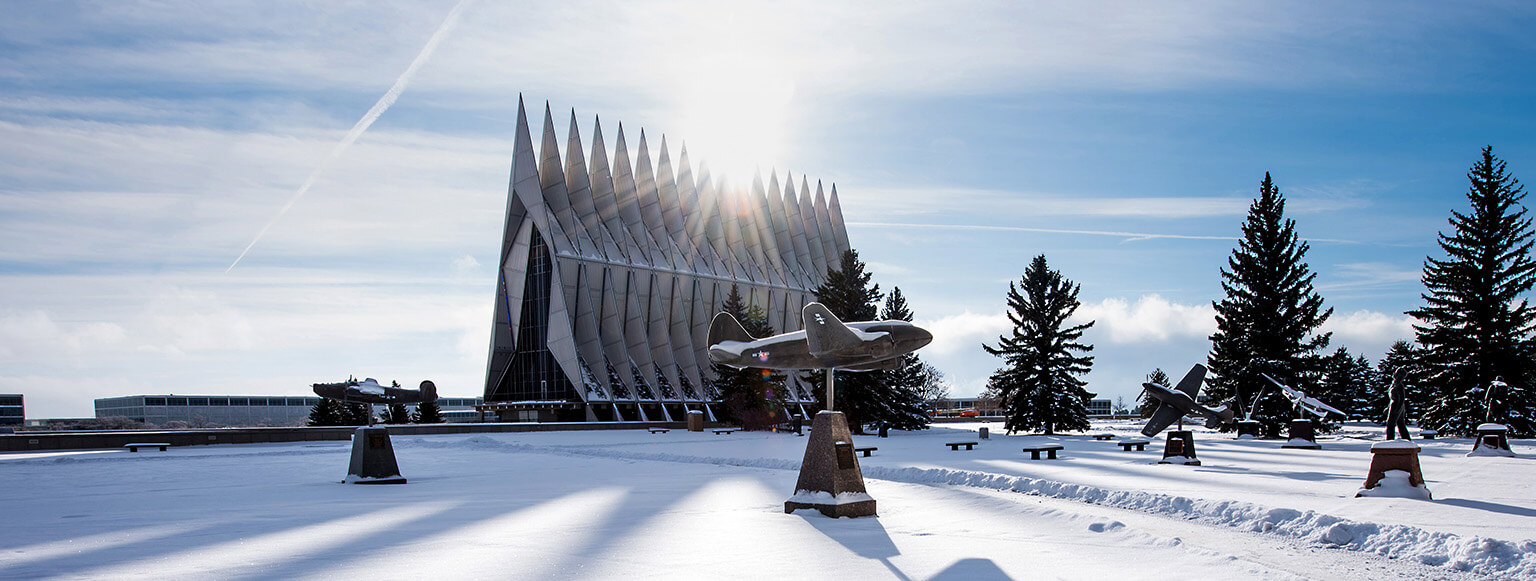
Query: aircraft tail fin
pixel 1190 385
pixel 724 327
pixel 825 333
pixel 428 391
pixel 1224 415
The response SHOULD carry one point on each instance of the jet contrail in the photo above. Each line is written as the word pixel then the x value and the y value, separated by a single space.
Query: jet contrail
pixel 362 124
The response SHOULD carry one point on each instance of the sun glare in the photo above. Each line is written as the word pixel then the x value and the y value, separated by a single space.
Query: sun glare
pixel 737 122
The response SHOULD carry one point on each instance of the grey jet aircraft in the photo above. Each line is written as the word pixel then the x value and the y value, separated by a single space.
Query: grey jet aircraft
pixel 826 343
pixel 1175 403
pixel 369 391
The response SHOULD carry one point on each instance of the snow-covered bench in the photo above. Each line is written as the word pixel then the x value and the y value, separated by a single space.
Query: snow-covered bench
pixel 1102 437
pixel 1050 450
pixel 956 445
pixel 657 430
pixel 134 447
pixel 1428 434
pixel 1141 445
pixel 866 451
pixel 726 430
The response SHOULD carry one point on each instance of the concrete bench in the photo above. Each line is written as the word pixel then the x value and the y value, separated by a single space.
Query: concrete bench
pixel 1428 434
pixel 1050 451
pixel 957 445
pixel 1103 437
pixel 726 430
pixel 134 447
pixel 866 451
pixel 1141 445
pixel 657 430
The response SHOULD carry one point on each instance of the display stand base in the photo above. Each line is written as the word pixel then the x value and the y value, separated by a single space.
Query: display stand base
pixel 1302 436
pixel 830 479
pixel 1180 449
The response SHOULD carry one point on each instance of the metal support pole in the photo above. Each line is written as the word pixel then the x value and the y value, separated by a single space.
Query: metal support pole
pixel 831 389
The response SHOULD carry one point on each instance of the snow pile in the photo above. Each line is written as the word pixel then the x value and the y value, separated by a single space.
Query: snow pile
pixel 1396 484
pixel 824 497
pixel 1477 555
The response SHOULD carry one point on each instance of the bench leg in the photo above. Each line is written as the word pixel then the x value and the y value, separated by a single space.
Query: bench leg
pixel 1034 454
pixel 1050 455
pixel 132 449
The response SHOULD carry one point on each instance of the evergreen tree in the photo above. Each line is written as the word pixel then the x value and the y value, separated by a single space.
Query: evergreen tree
pixel 864 397
pixel 1475 325
pixel 1266 323
pixel 356 414
pixel 428 412
pixel 326 412
pixel 396 413
pixel 1347 384
pixel 1148 405
pixel 1039 386
pixel 906 383
pixel 1401 354
pixel 751 398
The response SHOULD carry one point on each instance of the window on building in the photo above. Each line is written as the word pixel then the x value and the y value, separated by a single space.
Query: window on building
pixel 176 401
pixel 202 401
pixel 258 401
pixel 154 401
pixel 239 401
pixel 218 401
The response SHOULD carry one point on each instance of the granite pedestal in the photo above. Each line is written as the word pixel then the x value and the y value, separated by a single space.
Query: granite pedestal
pixel 373 458
pixel 1248 429
pixel 1302 436
pixel 1394 455
pixel 1180 449
pixel 1492 440
pixel 830 479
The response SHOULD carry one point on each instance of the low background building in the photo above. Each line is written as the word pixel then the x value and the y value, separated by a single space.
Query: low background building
pixel 234 410
pixel 13 411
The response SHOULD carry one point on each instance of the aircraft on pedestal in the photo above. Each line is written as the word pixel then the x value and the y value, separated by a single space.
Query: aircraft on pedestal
pixel 369 391
pixel 1175 403
pixel 1311 404
pixel 826 343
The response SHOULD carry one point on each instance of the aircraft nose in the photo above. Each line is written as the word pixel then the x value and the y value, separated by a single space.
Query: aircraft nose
pixel 922 336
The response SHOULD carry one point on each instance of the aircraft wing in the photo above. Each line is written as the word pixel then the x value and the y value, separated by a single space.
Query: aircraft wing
pixel 1165 416
pixel 1317 407
pixel 1190 385
pixel 824 333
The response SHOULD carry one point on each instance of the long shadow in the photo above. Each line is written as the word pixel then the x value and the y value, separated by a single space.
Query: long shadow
pixel 1488 506
pixel 865 537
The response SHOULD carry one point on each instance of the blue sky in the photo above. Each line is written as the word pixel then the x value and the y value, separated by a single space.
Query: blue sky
pixel 143 145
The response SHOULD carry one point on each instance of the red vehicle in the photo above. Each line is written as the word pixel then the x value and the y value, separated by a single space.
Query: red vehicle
pixel 969 414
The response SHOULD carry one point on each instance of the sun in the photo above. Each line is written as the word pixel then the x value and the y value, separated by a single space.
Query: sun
pixel 737 122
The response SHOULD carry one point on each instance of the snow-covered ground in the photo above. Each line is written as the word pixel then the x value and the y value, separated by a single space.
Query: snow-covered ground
pixel 629 504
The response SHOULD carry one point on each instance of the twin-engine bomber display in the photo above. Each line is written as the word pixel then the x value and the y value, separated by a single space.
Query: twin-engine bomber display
pixel 826 343
pixel 369 391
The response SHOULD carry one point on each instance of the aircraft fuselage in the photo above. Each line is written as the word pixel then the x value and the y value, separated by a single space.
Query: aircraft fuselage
pixel 891 339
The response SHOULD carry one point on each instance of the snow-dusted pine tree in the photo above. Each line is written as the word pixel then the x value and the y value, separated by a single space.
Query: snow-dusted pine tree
pixel 1476 325
pixel 1266 323
pixel 1039 385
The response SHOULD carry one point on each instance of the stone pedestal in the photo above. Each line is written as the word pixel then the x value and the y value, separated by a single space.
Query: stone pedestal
pixel 830 479
pixel 373 458
pixel 1391 455
pixel 1492 440
pixel 695 421
pixel 1248 429
pixel 1302 436
pixel 1180 449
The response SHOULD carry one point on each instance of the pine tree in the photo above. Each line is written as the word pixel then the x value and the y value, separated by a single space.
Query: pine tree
pixel 1475 325
pixel 1039 386
pixel 1149 404
pixel 1266 323
pixel 396 413
pixel 1347 384
pixel 1401 354
pixel 751 398
pixel 864 397
pixel 356 414
pixel 905 383
pixel 428 412
pixel 326 412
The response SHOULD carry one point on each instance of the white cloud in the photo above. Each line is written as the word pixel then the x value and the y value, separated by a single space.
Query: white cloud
pixel 1151 319
pixel 965 331
pixel 34 335
pixel 1369 333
